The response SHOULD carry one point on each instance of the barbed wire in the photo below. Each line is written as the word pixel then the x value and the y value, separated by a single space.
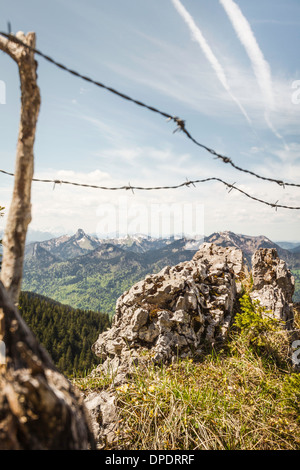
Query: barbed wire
pixel 180 122
pixel 186 183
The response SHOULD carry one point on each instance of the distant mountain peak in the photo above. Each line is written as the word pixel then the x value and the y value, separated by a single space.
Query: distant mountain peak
pixel 80 233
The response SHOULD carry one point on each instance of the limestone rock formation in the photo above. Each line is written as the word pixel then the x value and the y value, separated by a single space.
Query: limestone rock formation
pixel 212 254
pixel 175 312
pixel 273 284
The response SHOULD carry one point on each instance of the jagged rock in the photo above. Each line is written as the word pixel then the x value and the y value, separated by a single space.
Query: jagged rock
pixel 216 255
pixel 234 258
pixel 273 284
pixel 103 411
pixel 175 312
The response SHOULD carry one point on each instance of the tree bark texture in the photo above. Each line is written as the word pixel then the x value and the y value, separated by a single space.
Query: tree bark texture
pixel 19 215
pixel 39 407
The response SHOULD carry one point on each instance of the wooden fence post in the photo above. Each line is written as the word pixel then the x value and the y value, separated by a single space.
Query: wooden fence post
pixel 19 215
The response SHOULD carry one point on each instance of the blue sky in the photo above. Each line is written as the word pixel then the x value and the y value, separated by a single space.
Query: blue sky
pixel 226 67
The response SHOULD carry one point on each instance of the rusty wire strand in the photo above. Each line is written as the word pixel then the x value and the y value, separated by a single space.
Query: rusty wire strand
pixel 186 183
pixel 180 122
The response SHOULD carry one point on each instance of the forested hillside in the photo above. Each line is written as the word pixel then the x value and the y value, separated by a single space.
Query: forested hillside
pixel 296 274
pixel 66 333
pixel 97 279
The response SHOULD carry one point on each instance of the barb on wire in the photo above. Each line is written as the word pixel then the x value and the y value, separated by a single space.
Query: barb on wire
pixel 231 187
pixel 275 205
pixel 180 122
pixel 55 182
pixel 129 187
pixel 189 183
pixel 186 183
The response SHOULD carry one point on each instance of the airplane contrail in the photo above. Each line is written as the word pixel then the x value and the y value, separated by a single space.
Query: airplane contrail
pixel 260 66
pixel 200 39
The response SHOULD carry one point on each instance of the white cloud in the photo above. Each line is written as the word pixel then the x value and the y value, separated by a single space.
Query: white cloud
pixel 66 208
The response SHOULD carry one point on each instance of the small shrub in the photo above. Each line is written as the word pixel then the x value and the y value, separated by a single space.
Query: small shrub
pixel 255 322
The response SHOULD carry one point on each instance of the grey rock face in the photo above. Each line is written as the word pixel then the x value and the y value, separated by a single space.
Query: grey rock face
pixel 273 284
pixel 173 313
pixel 176 312
pixel 215 255
pixel 103 412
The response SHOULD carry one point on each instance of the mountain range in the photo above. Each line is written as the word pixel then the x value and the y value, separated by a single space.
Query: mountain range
pixel 90 273
pixel 67 246
pixel 249 244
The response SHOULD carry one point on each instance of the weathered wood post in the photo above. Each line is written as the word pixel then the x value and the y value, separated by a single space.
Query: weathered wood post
pixel 19 215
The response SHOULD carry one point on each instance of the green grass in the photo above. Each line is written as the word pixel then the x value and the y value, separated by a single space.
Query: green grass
pixel 244 396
